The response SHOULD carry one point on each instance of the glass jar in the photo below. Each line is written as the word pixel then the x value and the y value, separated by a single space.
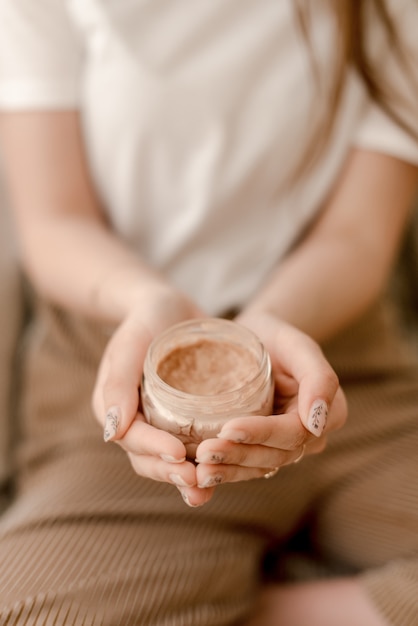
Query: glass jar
pixel 200 373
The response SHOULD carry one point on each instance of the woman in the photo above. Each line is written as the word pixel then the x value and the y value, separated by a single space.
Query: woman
pixel 173 160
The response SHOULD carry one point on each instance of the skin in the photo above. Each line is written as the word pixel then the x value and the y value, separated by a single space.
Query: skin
pixel 307 300
pixel 339 602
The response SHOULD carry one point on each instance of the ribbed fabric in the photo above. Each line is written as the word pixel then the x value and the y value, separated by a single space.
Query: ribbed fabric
pixel 87 542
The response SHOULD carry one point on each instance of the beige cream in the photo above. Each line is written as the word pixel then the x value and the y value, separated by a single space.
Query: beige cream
pixel 208 368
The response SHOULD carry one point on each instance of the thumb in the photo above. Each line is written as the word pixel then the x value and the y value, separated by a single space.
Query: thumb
pixel 318 386
pixel 116 396
pixel 321 401
pixel 298 356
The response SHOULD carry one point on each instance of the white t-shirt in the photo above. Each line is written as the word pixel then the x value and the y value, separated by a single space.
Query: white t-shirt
pixel 195 113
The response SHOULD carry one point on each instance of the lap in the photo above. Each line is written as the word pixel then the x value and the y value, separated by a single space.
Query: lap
pixel 86 538
pixel 121 569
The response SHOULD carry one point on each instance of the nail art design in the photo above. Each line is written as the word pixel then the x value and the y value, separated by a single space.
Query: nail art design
pixel 317 419
pixel 212 481
pixel 112 423
pixel 211 457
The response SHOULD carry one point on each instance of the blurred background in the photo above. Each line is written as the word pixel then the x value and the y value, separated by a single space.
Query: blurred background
pixel 11 317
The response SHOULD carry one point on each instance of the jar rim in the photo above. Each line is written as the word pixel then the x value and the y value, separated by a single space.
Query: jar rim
pixel 207 325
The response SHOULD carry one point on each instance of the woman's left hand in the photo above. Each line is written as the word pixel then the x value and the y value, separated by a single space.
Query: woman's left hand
pixel 309 404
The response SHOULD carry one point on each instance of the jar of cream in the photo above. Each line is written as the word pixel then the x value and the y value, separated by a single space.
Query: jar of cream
pixel 201 373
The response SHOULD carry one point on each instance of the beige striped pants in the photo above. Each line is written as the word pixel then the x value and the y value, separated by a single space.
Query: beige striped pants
pixel 87 542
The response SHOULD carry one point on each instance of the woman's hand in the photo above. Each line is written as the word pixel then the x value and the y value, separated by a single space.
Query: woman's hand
pixel 309 404
pixel 153 453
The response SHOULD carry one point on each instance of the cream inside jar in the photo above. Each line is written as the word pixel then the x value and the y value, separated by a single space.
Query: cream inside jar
pixel 208 367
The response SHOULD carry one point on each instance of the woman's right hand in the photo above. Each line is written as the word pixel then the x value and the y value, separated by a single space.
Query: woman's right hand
pixel 153 453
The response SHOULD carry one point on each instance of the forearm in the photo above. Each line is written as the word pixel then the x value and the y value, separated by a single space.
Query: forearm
pixel 322 287
pixel 78 263
pixel 344 262
pixel 70 254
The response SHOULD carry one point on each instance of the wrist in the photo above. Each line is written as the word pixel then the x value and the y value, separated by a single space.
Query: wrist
pixel 128 287
pixel 159 305
pixel 257 317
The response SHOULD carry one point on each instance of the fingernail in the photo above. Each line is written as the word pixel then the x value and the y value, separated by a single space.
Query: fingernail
pixel 186 499
pixel 238 436
pixel 210 457
pixel 317 419
pixel 179 480
pixel 112 423
pixel 211 481
pixel 171 459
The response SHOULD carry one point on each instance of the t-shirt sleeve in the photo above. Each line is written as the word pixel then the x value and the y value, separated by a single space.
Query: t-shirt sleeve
pixel 378 130
pixel 40 55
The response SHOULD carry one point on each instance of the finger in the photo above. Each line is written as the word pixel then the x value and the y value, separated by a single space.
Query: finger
pixel 286 431
pixel 277 431
pixel 143 439
pixel 194 496
pixel 246 455
pixel 303 359
pixel 213 475
pixel 117 389
pixel 321 414
pixel 215 451
pixel 181 475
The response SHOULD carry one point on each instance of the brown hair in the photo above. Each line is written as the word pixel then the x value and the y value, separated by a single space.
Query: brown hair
pixel 351 17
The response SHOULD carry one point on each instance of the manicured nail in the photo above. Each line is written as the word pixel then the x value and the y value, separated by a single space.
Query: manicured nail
pixel 238 436
pixel 171 459
pixel 317 419
pixel 210 457
pixel 179 480
pixel 186 499
pixel 211 481
pixel 112 423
